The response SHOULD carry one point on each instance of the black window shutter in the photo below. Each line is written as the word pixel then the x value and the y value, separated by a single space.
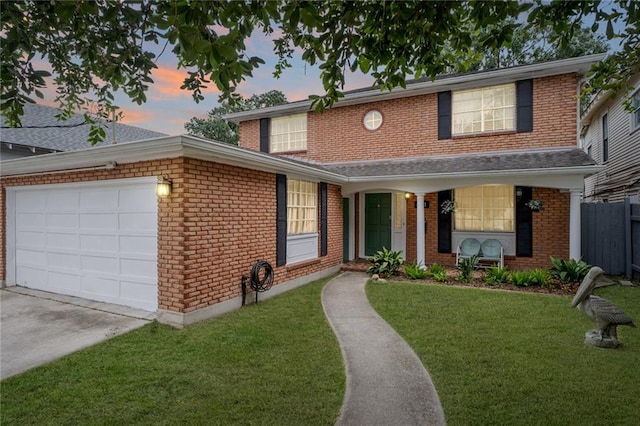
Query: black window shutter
pixel 444 223
pixel 323 219
pixel 524 223
pixel 444 115
pixel 264 135
pixel 281 220
pixel 524 105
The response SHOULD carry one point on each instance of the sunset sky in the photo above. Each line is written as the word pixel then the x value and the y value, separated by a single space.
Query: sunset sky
pixel 168 108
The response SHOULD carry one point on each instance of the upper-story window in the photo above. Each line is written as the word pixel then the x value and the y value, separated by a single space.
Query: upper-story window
pixel 488 109
pixel 372 120
pixel 289 133
pixel 635 115
pixel 605 138
pixel 486 208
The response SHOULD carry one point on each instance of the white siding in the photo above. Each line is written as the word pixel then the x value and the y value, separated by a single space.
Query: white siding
pixel 621 177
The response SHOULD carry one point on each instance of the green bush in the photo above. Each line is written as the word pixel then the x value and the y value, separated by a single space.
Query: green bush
pixel 435 269
pixel 496 275
pixel 539 277
pixel 569 270
pixel 415 271
pixel 440 276
pixel 521 278
pixel 386 262
pixel 465 267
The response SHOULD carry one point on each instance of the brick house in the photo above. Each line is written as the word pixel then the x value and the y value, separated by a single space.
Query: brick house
pixel 304 191
pixel 492 141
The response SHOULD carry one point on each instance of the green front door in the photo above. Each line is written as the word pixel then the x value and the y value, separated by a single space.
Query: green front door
pixel 377 222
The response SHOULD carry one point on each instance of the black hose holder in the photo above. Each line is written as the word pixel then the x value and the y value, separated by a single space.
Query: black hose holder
pixel 260 279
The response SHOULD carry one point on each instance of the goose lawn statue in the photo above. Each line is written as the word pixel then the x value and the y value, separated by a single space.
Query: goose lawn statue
pixel 606 316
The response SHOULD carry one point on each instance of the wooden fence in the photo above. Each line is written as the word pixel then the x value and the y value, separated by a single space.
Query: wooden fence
pixel 611 237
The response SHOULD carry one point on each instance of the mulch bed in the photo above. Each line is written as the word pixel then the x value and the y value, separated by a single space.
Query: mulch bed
pixel 554 287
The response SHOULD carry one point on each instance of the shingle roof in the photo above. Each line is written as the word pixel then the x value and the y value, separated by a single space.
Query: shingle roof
pixel 468 163
pixel 41 129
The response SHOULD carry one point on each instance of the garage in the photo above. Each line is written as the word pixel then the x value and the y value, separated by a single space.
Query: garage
pixel 95 240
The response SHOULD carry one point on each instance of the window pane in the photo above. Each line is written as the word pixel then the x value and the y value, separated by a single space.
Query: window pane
pixel 484 110
pixel 484 208
pixel 302 200
pixel 288 133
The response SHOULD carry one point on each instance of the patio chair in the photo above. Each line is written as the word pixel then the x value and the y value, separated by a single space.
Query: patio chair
pixel 492 251
pixel 468 248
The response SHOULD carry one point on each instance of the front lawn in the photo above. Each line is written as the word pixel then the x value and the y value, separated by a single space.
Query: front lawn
pixel 499 357
pixel 276 363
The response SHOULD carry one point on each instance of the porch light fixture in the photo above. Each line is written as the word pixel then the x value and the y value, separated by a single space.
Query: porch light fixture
pixel 518 193
pixel 163 189
pixel 407 195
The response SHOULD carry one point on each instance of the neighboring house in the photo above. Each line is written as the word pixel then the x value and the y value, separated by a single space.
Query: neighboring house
pixel 611 136
pixel 326 188
pixel 42 133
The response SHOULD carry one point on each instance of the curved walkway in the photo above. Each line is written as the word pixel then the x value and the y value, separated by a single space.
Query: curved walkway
pixel 386 382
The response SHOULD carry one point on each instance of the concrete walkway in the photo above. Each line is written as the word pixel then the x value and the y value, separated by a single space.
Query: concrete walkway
pixel 386 382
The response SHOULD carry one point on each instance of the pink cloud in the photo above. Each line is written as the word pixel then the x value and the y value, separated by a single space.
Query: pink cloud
pixel 136 116
pixel 167 82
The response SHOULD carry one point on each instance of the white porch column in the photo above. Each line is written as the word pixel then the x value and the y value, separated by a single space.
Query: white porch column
pixel 420 230
pixel 574 225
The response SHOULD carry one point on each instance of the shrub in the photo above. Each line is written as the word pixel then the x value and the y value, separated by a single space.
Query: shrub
pixel 521 278
pixel 569 270
pixel 466 267
pixel 539 277
pixel 386 262
pixel 496 275
pixel 434 269
pixel 440 276
pixel 415 271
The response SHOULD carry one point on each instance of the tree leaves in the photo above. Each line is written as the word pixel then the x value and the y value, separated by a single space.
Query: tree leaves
pixel 96 48
pixel 216 128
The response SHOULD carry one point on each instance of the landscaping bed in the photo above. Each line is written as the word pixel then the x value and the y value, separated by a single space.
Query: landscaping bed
pixel 562 278
pixel 553 286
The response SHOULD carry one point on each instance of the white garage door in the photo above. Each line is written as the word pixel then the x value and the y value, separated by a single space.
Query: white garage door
pixel 94 240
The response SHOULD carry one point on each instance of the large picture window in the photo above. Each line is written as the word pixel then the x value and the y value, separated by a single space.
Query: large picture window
pixel 302 207
pixel 489 109
pixel 289 133
pixel 487 208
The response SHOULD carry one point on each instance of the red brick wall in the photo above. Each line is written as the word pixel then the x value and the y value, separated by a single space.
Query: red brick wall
pixel 410 128
pixel 217 222
pixel 550 231
pixel 250 135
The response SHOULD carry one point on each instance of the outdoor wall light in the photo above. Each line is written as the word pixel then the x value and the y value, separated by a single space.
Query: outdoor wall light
pixel 518 193
pixel 163 189
pixel 407 195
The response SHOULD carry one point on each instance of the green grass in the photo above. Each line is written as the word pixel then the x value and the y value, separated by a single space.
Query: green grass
pixel 276 363
pixel 519 359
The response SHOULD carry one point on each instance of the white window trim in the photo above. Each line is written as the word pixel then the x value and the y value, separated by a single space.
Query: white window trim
pixel 482 122
pixel 513 218
pixel 372 120
pixel 290 145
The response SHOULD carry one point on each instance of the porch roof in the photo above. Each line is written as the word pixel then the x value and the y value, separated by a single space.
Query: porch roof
pixel 564 158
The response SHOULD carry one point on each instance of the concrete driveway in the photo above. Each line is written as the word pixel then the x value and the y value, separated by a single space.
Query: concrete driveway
pixel 37 327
